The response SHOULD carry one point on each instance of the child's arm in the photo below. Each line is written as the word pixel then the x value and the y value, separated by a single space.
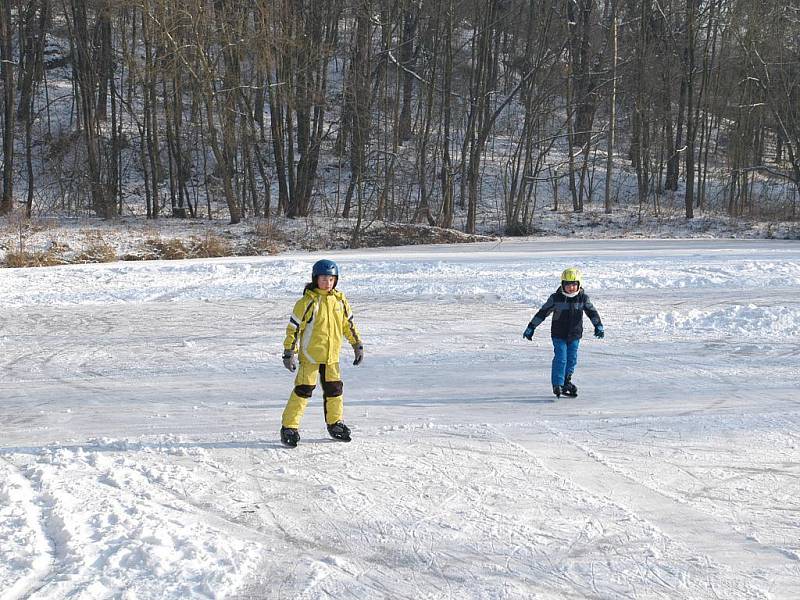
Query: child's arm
pixel 546 309
pixel 351 332
pixel 540 316
pixel 296 323
pixel 350 329
pixel 594 317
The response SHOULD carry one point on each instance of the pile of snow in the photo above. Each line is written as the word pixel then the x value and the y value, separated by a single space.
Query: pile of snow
pixel 747 321
pixel 113 522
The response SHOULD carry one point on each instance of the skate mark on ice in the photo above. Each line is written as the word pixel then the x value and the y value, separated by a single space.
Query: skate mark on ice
pixel 701 531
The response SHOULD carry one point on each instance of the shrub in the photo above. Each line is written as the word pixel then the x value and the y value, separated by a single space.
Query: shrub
pixel 155 248
pixel 210 246
pixel 99 252
pixel 517 229
pixel 23 258
pixel 267 239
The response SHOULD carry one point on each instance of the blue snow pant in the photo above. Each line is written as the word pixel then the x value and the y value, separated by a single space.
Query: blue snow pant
pixel 564 360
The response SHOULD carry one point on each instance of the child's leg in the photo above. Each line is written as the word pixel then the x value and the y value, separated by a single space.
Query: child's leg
pixel 572 356
pixel 332 388
pixel 559 367
pixel 304 384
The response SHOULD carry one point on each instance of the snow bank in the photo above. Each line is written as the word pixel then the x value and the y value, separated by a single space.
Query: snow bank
pixel 748 321
pixel 112 523
pixel 475 272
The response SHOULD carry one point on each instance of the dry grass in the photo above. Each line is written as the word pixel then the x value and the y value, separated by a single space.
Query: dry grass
pixel 22 243
pixel 399 234
pixel 19 228
pixel 267 239
pixel 209 246
pixel 96 253
pixel 157 249
pixel 259 247
pixel 173 249
pixel 97 250
pixel 23 258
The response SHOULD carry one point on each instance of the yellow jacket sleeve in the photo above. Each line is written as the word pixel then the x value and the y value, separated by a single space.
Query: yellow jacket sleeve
pixel 350 330
pixel 297 322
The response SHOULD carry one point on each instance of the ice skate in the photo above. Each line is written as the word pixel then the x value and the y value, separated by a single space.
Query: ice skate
pixel 569 388
pixel 339 431
pixel 289 437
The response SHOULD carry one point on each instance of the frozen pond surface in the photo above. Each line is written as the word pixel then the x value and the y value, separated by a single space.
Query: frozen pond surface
pixel 140 403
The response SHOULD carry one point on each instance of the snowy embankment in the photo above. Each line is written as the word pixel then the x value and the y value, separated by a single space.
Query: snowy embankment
pixel 139 405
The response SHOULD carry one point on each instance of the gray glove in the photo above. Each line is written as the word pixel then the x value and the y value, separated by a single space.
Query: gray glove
pixel 289 361
pixel 359 354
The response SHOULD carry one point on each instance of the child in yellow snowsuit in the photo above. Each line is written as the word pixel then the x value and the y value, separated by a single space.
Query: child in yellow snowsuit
pixel 319 320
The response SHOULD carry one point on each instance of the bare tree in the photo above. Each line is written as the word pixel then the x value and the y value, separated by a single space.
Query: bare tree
pixel 408 53
pixel 9 87
pixel 537 57
pixel 227 99
pixel 87 76
pixel 691 121
pixel 34 26
pixel 771 54
pixel 612 108
pixel 360 101
pixel 305 37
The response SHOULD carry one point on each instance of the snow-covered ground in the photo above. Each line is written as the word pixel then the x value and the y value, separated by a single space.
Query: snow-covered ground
pixel 140 403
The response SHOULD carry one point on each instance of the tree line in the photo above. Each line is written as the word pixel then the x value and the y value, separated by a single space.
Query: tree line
pixel 403 105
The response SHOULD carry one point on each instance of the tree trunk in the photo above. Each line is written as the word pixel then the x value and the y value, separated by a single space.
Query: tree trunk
pixel 407 61
pixel 103 59
pixel 360 99
pixel 612 112
pixel 447 176
pixel 691 123
pixel 9 86
pixel 102 200
pixel 150 120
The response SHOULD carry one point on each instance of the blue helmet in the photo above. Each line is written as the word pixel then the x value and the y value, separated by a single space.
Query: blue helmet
pixel 324 267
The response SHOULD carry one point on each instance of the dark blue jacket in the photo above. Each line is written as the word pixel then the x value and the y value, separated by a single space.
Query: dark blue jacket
pixel 567 315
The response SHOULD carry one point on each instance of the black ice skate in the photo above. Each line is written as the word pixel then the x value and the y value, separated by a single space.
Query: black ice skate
pixel 339 431
pixel 569 388
pixel 289 437
pixel 557 391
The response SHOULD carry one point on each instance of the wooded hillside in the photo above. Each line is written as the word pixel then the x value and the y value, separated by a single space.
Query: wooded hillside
pixel 400 110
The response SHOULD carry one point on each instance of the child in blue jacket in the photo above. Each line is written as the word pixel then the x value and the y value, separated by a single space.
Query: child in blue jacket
pixel 567 304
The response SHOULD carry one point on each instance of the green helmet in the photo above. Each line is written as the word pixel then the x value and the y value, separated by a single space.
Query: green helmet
pixel 571 275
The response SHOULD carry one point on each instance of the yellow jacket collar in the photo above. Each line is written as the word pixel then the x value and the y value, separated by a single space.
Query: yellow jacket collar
pixel 334 292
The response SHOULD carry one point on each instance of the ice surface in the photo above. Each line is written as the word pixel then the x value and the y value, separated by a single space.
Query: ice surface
pixel 140 403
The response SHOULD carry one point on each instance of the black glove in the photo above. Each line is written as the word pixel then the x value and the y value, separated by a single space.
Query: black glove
pixel 359 354
pixel 528 335
pixel 289 361
pixel 599 332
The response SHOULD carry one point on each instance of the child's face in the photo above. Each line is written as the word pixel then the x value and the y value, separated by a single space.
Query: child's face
pixel 570 287
pixel 326 282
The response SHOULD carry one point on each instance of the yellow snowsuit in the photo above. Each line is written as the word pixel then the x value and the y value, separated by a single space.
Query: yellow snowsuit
pixel 315 331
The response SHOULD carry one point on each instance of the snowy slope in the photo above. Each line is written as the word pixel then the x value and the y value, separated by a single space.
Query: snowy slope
pixel 140 402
